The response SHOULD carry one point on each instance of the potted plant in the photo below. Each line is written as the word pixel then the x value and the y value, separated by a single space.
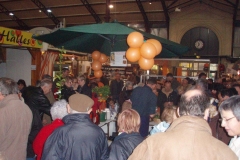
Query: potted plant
pixel 102 94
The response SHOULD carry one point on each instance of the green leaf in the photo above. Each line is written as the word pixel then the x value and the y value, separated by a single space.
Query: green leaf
pixel 58 76
pixel 102 92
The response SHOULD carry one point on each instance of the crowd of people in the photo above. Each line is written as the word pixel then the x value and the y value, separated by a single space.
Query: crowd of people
pixel 199 119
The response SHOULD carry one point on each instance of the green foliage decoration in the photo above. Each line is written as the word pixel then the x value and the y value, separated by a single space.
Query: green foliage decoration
pixel 59 79
pixel 102 92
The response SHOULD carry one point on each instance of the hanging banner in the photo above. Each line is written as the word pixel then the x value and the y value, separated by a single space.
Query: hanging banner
pixel 18 38
pixel 118 59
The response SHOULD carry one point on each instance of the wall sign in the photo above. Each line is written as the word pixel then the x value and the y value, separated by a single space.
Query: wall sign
pixel 18 38
pixel 118 59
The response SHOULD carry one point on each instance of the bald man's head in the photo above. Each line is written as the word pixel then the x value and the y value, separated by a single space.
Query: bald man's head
pixel 192 93
pixel 193 102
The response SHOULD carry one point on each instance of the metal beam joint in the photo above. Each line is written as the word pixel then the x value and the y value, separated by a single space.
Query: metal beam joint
pixel 145 18
pixel 44 9
pixel 92 12
pixel 22 25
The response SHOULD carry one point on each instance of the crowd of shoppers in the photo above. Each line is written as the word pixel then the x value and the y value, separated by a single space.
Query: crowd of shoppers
pixel 199 118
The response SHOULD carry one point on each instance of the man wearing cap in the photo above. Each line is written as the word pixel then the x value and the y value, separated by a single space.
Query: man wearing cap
pixel 79 138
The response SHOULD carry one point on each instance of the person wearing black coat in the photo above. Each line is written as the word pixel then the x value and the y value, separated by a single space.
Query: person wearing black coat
pixel 35 98
pixel 83 86
pixel 125 94
pixel 104 80
pixel 128 138
pixel 67 89
pixel 79 138
pixel 167 96
pixel 123 145
pixel 67 92
pixel 116 87
pixel 35 129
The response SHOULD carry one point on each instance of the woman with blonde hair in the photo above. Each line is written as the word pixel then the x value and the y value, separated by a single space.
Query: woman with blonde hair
pixel 168 116
pixel 128 138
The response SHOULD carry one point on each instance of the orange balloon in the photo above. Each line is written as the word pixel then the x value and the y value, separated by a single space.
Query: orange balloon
pixel 98 74
pixel 96 55
pixel 135 39
pixel 96 65
pixel 157 44
pixel 103 58
pixel 148 50
pixel 146 64
pixel 133 54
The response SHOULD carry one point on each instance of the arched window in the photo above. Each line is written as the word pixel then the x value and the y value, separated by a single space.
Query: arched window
pixel 202 42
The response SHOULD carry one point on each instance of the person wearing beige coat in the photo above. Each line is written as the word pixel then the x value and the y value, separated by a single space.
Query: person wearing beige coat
pixel 15 122
pixel 188 138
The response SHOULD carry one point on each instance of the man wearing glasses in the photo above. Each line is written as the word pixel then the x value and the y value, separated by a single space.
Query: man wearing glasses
pixel 230 112
pixel 189 136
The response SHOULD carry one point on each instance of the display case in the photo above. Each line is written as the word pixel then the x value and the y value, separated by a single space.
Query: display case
pixel 182 67
pixel 110 71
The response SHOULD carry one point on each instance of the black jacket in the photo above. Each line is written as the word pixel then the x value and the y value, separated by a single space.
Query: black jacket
pixel 123 146
pixel 35 129
pixel 116 88
pixel 104 80
pixel 79 139
pixel 85 90
pixel 162 98
pixel 39 104
pixel 66 92
pixel 123 96
pixel 35 98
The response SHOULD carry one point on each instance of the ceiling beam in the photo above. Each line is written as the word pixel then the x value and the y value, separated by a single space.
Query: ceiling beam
pixel 179 5
pixel 91 11
pixel 172 3
pixel 216 8
pixel 78 15
pixel 224 4
pixel 22 25
pixel 97 4
pixel 230 2
pixel 145 18
pixel 69 6
pixel 235 11
pixel 44 9
pixel 153 24
pixel 166 16
pixel 107 13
